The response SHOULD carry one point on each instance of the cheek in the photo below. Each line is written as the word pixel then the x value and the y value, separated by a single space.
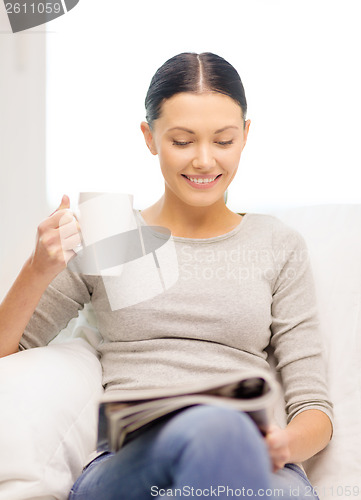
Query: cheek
pixel 173 158
pixel 237 155
pixel 233 173
pixel 230 160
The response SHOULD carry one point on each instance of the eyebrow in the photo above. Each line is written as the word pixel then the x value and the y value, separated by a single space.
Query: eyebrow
pixel 191 131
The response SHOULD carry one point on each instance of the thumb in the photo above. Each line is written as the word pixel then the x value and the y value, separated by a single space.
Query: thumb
pixel 65 202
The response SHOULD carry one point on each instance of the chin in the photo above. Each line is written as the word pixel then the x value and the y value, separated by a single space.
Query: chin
pixel 205 201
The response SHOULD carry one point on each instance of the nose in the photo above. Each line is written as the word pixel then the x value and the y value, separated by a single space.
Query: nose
pixel 204 157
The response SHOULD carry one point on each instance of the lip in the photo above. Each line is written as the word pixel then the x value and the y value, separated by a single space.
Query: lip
pixel 202 176
pixel 204 185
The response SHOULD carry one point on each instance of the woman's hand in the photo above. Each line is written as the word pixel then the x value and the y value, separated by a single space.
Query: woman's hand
pixel 56 237
pixel 277 441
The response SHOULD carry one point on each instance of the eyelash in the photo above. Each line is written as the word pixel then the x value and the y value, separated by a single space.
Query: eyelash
pixel 223 143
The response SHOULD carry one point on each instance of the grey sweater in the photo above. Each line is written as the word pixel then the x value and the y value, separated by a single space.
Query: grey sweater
pixel 236 293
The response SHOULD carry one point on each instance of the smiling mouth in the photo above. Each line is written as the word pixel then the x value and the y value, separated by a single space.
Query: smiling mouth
pixel 200 179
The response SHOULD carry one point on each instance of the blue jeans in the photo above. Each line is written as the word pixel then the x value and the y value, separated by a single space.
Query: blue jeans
pixel 202 451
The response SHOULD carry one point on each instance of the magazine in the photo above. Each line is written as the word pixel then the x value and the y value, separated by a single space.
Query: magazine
pixel 123 414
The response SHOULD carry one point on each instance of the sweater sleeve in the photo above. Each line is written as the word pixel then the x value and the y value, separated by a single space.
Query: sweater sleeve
pixel 60 302
pixel 296 337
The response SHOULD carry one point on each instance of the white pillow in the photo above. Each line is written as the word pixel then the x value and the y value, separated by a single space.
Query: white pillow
pixel 48 419
pixel 333 237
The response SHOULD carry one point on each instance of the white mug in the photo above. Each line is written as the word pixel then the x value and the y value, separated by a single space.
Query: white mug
pixel 134 263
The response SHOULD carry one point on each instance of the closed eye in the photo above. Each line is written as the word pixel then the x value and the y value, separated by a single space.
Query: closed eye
pixel 176 143
pixel 225 143
pixel 221 143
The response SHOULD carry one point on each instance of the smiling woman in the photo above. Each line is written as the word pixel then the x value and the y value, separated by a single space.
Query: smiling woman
pixel 196 124
pixel 218 317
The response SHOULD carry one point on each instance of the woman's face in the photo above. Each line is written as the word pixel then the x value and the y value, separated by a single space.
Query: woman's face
pixel 198 137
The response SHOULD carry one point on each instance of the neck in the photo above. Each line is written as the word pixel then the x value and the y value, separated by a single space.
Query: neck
pixel 191 221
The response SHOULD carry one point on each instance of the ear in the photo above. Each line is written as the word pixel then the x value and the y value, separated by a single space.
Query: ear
pixel 245 131
pixel 148 136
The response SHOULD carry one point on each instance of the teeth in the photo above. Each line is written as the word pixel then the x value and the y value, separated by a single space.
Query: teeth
pixel 201 181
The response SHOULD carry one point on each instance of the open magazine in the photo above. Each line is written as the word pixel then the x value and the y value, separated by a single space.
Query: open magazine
pixel 123 414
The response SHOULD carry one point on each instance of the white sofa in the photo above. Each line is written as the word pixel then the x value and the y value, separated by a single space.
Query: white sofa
pixel 49 395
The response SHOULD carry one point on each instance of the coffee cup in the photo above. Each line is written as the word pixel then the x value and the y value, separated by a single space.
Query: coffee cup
pixel 135 261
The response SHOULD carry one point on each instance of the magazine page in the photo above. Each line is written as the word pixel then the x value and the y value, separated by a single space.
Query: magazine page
pixel 123 414
pixel 244 384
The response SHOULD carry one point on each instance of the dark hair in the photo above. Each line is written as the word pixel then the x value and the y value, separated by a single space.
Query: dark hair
pixel 197 73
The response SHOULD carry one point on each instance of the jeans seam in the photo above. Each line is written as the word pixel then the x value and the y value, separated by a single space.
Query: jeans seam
pixel 301 474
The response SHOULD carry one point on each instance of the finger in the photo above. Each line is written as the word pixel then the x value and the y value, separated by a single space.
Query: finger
pixel 272 440
pixel 277 439
pixel 281 457
pixel 65 203
pixel 279 464
pixel 272 429
pixel 275 443
pixel 60 217
pixel 71 242
pixel 68 226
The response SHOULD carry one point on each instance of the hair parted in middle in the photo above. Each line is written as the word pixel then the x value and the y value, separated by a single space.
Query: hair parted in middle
pixel 196 73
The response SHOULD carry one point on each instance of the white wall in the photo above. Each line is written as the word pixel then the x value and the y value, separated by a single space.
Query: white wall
pixel 23 202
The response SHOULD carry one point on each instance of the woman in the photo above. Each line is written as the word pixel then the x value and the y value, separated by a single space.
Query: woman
pixel 244 283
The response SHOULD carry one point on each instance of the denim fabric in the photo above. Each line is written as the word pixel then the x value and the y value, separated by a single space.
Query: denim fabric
pixel 200 452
